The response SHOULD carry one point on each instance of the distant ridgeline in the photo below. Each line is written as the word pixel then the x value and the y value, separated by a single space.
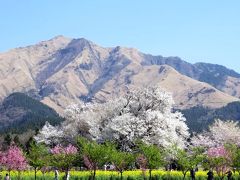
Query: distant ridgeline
pixel 19 113
pixel 199 118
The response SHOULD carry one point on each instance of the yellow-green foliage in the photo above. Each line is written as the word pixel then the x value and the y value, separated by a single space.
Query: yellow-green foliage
pixel 101 175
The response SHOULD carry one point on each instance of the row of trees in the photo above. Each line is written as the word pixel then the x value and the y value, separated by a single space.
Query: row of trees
pixel 37 156
pixel 93 156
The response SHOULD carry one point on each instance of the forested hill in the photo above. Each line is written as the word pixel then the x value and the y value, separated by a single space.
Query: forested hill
pixel 199 118
pixel 19 113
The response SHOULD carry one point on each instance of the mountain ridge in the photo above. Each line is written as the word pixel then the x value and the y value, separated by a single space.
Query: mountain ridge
pixel 63 70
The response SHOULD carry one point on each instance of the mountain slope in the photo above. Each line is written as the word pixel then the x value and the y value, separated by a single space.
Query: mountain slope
pixel 188 93
pixel 19 67
pixel 19 113
pixel 62 71
pixel 218 76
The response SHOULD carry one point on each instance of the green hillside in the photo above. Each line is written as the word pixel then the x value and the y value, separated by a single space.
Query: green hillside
pixel 199 118
pixel 19 113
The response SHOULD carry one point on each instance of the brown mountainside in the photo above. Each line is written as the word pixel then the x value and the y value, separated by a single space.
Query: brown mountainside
pixel 62 71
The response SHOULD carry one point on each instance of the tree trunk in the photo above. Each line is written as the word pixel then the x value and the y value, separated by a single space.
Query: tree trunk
pixel 56 175
pixel 121 175
pixel 19 175
pixel 94 173
pixel 43 176
pixel 222 177
pixel 222 174
pixel 150 174
pixel 184 175
pixel 9 173
pixel 67 175
pixel 35 173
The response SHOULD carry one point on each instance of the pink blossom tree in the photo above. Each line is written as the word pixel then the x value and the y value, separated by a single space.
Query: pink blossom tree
pixel 13 159
pixel 219 158
pixel 64 157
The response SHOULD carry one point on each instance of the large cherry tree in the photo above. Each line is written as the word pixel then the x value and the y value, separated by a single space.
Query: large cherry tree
pixel 144 114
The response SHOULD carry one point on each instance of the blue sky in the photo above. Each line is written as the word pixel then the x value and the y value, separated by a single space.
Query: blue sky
pixel 203 30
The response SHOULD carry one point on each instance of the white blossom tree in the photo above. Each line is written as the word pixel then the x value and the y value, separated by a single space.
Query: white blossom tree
pixel 49 134
pixel 81 119
pixel 220 133
pixel 144 114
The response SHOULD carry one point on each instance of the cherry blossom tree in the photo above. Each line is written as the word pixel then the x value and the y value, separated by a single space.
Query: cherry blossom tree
pixel 80 119
pixel 64 158
pixel 219 134
pixel 144 114
pixel 220 159
pixel 49 134
pixel 13 159
pixel 141 114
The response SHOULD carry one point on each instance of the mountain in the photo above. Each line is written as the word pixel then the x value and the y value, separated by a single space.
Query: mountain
pixel 62 71
pixel 19 113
